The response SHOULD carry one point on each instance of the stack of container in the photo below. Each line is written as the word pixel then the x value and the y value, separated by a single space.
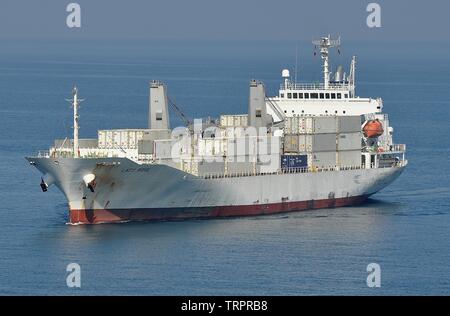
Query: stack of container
pixel 120 138
pixel 325 141
pixel 236 120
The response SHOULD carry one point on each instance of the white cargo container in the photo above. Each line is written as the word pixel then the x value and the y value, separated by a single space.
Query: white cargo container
pixel 120 138
pixel 323 142
pixel 308 125
pixel 232 132
pixel 145 147
pixel 291 143
pixel 239 147
pixel 325 125
pixel 211 147
pixel 163 149
pixel 123 139
pixel 305 143
pixel 269 163
pixel 101 139
pixel 349 141
pixel 322 124
pixel 115 138
pixel 291 125
pixel 349 124
pixel 234 120
pixel 305 125
pixel 324 159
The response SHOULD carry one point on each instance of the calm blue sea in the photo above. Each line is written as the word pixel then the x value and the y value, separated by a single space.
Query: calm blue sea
pixel 405 228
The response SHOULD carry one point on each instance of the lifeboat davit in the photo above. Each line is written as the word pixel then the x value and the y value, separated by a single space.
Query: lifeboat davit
pixel 373 128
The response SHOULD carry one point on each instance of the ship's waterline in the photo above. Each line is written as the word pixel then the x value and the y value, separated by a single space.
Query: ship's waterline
pixel 99 216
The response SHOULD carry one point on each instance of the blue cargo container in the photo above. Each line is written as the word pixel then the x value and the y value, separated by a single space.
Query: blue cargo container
pixel 294 161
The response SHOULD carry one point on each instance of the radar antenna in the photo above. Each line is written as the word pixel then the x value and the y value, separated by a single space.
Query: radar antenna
pixel 325 43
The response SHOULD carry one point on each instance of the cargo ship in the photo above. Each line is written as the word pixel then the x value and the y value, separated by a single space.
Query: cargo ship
pixel 311 146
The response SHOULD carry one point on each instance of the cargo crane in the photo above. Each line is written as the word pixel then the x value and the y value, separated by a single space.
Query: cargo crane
pixel 180 113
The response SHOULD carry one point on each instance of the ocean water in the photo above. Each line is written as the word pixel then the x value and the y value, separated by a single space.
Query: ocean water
pixel 405 228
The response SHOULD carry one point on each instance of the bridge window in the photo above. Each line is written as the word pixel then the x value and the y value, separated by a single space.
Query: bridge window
pixel 333 95
pixel 294 95
pixel 327 95
pixel 300 95
pixel 321 95
pixel 289 95
pixel 282 95
pixel 314 95
pixel 306 95
pixel 346 95
pixel 338 95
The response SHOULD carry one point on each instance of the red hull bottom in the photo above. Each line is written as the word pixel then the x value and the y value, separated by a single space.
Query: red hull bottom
pixel 148 214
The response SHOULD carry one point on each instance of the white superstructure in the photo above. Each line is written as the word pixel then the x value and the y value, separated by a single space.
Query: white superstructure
pixel 334 96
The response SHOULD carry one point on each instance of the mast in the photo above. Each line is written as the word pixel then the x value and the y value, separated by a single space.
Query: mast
pixel 75 103
pixel 325 43
pixel 352 76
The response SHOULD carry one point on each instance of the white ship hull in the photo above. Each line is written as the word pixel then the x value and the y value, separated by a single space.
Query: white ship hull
pixel 127 191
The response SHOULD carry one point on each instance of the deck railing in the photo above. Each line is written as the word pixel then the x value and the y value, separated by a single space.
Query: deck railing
pixel 43 154
pixel 299 170
pixel 314 86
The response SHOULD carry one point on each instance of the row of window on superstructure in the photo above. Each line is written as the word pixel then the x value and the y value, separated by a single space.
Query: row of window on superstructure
pixel 314 95
pixel 303 113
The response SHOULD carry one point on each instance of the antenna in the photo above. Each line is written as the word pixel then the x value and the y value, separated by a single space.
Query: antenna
pixel 325 43
pixel 75 103
pixel 296 62
pixel 352 76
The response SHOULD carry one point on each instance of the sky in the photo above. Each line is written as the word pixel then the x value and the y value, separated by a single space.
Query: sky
pixel 401 20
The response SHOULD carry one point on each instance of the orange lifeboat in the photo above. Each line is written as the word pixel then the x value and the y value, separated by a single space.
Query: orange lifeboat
pixel 373 128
